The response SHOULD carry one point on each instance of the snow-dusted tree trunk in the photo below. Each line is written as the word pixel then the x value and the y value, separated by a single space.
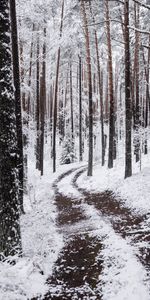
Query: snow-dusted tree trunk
pixel 111 89
pixel 137 92
pixel 16 76
pixel 88 60
pixel 10 240
pixel 128 109
pixel 38 105
pixel 80 109
pixel 56 93
pixel 42 105
pixel 100 85
pixel 71 108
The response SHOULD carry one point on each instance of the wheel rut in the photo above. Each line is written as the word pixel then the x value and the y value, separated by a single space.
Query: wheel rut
pixel 76 272
pixel 122 219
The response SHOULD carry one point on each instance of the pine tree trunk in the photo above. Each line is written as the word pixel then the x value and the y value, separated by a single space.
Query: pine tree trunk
pixel 80 109
pixel 10 239
pixel 55 94
pixel 16 76
pixel 38 106
pixel 51 115
pixel 128 108
pixel 100 84
pixel 111 91
pixel 88 60
pixel 42 105
pixel 71 109
pixel 137 102
pixel 29 80
pixel 147 108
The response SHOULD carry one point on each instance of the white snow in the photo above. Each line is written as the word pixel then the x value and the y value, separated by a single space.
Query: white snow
pixel 40 240
pixel 123 276
pixel 133 191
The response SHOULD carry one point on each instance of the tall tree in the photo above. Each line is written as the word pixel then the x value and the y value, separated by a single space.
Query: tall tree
pixel 100 85
pixel 10 239
pixel 42 104
pixel 89 70
pixel 38 105
pixel 137 83
pixel 16 76
pixel 56 93
pixel 80 109
pixel 111 89
pixel 128 109
pixel 71 108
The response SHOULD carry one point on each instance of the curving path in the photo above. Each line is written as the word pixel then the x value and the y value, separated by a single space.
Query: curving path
pixel 79 269
pixel 122 219
pixel 76 273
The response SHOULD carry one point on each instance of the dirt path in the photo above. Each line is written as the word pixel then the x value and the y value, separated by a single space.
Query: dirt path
pixel 76 272
pixel 122 219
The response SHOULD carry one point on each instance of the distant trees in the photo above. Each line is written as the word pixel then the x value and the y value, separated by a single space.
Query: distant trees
pixel 95 100
pixel 10 239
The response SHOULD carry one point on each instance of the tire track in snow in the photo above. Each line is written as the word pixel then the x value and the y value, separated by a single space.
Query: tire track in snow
pixel 123 220
pixel 96 262
pixel 76 272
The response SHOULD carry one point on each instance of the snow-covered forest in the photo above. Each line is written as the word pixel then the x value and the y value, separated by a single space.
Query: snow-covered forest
pixel 75 149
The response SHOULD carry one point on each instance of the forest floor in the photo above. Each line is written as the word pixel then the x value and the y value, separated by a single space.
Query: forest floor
pixel 103 256
pixel 83 238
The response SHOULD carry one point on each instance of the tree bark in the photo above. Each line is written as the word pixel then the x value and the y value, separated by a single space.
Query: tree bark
pixel 10 239
pixel 111 89
pixel 100 84
pixel 71 109
pixel 38 106
pixel 16 77
pixel 128 109
pixel 88 59
pixel 56 94
pixel 42 105
pixel 137 98
pixel 80 109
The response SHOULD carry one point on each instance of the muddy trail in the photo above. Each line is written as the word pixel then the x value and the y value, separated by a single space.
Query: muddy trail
pixel 122 219
pixel 76 272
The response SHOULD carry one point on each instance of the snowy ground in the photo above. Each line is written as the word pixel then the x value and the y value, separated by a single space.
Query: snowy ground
pixel 134 191
pixel 123 275
pixel 40 239
pixel 41 244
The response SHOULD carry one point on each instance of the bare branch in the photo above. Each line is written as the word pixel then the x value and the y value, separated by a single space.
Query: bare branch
pixel 142 4
pixel 139 30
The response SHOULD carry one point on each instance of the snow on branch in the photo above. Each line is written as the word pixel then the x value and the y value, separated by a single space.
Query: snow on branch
pixel 142 4
pixel 139 30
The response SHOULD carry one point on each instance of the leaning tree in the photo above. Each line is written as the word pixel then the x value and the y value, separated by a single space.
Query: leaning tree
pixel 10 240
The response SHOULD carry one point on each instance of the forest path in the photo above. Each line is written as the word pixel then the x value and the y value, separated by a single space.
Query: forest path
pixel 76 271
pixel 123 220
pixel 79 267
